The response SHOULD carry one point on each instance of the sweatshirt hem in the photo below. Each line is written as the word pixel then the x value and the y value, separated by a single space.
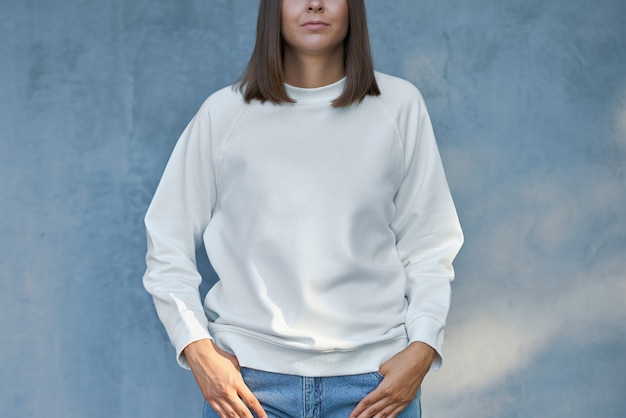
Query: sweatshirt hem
pixel 263 355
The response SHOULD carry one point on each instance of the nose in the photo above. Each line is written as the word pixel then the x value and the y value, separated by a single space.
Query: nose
pixel 315 6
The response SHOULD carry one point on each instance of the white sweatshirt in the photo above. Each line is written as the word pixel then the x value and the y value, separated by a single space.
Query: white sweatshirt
pixel 332 231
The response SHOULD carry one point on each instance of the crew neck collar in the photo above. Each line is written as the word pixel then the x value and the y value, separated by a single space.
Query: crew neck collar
pixel 322 94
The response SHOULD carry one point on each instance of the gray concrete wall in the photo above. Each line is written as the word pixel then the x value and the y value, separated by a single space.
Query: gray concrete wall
pixel 528 99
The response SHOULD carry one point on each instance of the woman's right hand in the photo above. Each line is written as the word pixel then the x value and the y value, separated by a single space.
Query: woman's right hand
pixel 219 379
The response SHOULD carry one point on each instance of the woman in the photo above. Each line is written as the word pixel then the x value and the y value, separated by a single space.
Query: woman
pixel 318 191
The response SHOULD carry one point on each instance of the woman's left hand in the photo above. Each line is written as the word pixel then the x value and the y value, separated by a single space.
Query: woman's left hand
pixel 403 375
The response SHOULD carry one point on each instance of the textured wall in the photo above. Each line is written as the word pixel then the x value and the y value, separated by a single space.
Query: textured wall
pixel 528 99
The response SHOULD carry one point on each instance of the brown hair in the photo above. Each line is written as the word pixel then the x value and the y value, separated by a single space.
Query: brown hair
pixel 263 78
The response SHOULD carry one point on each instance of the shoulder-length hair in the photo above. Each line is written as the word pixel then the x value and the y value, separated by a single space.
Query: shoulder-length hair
pixel 263 78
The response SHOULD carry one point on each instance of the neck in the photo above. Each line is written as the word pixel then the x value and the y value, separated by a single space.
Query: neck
pixel 310 71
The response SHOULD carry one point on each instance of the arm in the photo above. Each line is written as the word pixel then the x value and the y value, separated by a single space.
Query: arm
pixel 178 215
pixel 428 237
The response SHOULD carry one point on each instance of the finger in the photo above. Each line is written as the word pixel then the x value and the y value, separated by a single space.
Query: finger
pixel 383 409
pixel 367 403
pixel 246 395
pixel 216 408
pixel 381 402
pixel 390 411
pixel 234 408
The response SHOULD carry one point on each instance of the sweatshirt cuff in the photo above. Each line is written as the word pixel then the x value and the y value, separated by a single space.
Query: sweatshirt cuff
pixel 188 330
pixel 428 330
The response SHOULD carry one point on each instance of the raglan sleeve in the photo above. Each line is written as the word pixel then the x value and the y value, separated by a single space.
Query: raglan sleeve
pixel 427 229
pixel 175 222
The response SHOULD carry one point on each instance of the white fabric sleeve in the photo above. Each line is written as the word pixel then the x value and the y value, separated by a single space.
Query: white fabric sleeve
pixel 176 219
pixel 428 233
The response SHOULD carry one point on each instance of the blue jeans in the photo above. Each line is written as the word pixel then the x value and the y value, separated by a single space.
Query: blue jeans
pixel 286 396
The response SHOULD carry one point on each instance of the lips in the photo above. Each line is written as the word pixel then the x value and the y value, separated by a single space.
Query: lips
pixel 315 24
